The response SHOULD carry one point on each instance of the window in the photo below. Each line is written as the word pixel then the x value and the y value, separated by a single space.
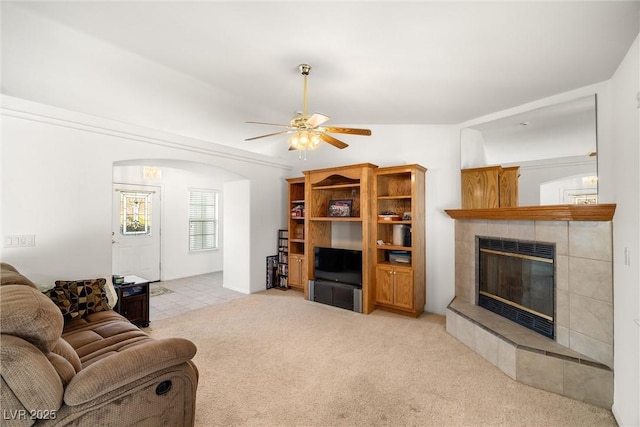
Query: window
pixel 203 220
pixel 135 213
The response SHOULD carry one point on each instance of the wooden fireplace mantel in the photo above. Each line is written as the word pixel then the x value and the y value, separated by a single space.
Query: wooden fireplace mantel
pixel 600 212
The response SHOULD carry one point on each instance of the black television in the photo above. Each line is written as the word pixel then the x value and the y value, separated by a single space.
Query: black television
pixel 338 265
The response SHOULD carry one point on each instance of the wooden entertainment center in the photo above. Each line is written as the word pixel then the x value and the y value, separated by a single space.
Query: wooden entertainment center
pixel 393 271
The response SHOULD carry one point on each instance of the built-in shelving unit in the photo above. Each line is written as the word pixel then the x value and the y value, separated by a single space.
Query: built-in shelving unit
pixel 400 272
pixel 296 222
pixel 388 282
pixel 352 183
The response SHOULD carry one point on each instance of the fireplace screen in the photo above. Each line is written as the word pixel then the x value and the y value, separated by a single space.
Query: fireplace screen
pixel 516 280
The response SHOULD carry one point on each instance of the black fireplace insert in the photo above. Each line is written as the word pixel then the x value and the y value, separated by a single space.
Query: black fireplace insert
pixel 517 280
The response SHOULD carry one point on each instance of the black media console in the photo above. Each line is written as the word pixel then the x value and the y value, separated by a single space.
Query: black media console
pixel 337 294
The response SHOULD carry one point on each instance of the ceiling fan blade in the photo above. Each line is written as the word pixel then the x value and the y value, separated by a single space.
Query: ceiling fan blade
pixel 351 131
pixel 269 134
pixel 269 124
pixel 316 120
pixel 331 140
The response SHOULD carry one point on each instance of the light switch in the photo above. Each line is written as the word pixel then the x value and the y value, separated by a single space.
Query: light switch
pixel 627 256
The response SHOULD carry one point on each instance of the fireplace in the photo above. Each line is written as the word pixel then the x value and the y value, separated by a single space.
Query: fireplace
pixel 577 362
pixel 516 279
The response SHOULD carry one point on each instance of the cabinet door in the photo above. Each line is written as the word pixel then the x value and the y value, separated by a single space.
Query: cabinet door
pixel 133 308
pixel 296 271
pixel 384 285
pixel 403 288
pixel 480 188
pixel 509 186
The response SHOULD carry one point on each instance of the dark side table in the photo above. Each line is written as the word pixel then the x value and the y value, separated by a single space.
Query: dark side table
pixel 133 300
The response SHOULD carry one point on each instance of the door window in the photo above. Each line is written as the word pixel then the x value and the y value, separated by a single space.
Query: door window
pixel 135 213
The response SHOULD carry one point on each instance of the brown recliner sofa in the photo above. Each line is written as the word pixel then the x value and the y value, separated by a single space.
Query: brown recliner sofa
pixel 98 370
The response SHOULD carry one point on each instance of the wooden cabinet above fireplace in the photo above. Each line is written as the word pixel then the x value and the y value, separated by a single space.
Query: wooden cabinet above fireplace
pixel 489 187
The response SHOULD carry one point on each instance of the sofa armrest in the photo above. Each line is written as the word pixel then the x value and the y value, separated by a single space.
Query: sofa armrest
pixel 127 366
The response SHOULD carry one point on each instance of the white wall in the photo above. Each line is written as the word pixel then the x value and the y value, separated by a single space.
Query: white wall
pixel 57 169
pixel 623 151
pixel 472 153
pixel 238 246
pixel 434 147
pixel 175 180
pixel 177 261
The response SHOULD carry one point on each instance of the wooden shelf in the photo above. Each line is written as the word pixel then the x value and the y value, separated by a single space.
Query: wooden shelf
pixel 395 264
pixel 600 212
pixel 382 221
pixel 394 248
pixel 336 218
pixel 393 197
pixel 336 186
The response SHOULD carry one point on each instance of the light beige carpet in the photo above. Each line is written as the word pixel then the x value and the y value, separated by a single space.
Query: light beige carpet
pixel 274 359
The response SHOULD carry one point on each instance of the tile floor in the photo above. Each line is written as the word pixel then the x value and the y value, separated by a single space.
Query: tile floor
pixel 189 293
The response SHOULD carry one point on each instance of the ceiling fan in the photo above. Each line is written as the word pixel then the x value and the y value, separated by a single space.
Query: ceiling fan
pixel 306 130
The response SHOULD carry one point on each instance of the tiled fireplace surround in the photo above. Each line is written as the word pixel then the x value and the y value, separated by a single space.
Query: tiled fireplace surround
pixel 578 363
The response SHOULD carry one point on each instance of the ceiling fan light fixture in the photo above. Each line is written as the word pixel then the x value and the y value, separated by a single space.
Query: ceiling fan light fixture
pixel 304 140
pixel 306 130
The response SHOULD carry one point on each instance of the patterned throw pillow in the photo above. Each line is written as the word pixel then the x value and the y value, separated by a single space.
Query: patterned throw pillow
pixel 61 296
pixel 78 298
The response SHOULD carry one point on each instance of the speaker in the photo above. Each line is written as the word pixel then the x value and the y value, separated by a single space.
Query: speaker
pixel 336 294
pixel 312 285
pixel 357 300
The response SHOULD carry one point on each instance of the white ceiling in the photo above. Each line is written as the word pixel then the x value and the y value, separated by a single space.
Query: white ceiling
pixel 381 62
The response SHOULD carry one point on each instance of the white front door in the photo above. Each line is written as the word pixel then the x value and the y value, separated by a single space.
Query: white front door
pixel 136 231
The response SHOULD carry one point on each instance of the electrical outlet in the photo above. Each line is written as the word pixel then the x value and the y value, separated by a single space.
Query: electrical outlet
pixel 19 241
